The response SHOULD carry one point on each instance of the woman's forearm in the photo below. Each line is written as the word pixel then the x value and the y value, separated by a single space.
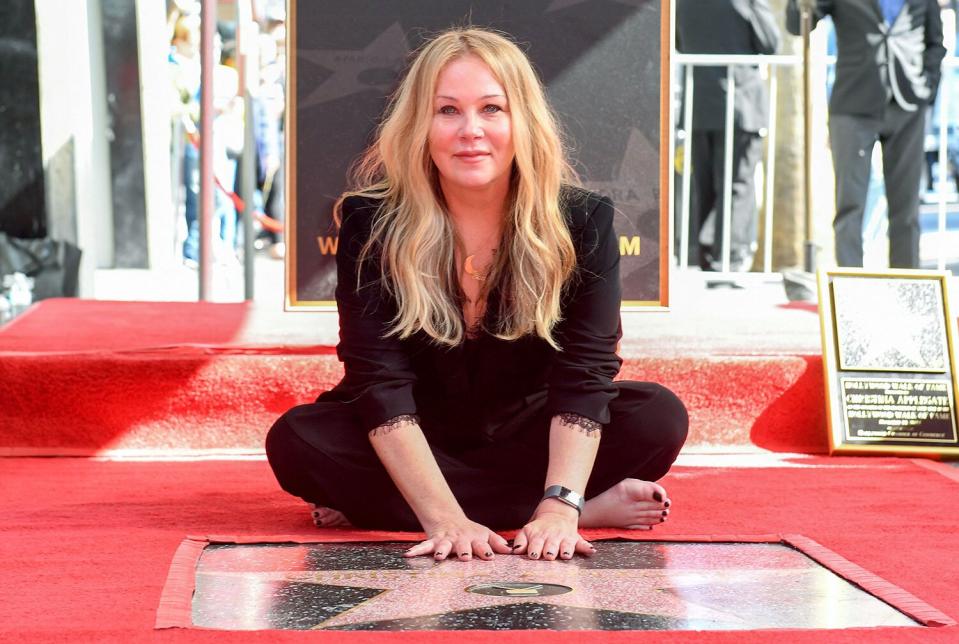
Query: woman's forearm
pixel 404 452
pixel 573 443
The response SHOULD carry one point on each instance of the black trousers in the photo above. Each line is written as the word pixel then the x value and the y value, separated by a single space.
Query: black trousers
pixel 707 197
pixel 318 454
pixel 852 138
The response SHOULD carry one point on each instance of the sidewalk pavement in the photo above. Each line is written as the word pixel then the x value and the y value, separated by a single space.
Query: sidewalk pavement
pixel 700 319
pixel 754 319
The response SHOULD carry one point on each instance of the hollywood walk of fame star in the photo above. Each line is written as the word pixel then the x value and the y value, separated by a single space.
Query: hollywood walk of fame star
pixel 385 56
pixel 634 192
pixel 431 589
pixel 637 177
pixel 626 586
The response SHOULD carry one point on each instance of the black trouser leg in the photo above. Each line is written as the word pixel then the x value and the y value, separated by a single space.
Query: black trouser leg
pixel 318 455
pixel 902 153
pixel 852 139
pixel 702 188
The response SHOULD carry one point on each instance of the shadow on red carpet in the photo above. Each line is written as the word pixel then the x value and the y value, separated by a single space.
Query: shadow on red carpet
pixel 796 420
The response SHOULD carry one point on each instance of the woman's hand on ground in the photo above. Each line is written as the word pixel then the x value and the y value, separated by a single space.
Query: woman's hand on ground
pixel 552 533
pixel 462 539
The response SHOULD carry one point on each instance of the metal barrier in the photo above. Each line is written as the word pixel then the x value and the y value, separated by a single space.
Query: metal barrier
pixel 770 65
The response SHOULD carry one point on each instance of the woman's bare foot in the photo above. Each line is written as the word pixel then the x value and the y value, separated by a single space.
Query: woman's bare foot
pixel 631 503
pixel 328 517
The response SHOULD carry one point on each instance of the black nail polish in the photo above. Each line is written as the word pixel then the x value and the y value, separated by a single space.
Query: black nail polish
pixel 533 555
pixel 550 554
pixel 665 513
pixel 663 519
pixel 489 554
pixel 517 547
pixel 657 497
pixel 565 554
pixel 666 504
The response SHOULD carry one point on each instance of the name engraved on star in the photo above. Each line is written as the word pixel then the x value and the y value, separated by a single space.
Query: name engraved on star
pixel 889 410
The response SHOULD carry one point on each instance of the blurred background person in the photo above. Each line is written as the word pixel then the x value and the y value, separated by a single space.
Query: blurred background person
pixel 184 68
pixel 269 119
pixel 725 27
pixel 887 74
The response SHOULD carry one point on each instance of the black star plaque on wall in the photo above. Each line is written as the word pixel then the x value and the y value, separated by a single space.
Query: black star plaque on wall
pixel 601 60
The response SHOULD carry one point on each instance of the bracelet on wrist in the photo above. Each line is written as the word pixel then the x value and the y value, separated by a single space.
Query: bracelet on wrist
pixel 565 495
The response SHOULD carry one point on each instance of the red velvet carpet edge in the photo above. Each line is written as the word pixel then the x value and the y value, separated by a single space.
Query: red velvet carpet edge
pixel 86 546
pixel 156 377
pixel 176 601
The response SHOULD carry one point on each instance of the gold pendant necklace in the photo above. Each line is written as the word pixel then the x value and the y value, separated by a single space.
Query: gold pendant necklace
pixel 472 272
pixel 479 276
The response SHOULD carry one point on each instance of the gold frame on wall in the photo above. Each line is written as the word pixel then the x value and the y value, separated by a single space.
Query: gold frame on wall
pixel 885 396
pixel 291 302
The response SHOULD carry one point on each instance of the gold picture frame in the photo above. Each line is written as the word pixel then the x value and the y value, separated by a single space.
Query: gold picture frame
pixel 889 364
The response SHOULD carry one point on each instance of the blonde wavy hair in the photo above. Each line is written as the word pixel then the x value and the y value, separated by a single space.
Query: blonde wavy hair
pixel 413 234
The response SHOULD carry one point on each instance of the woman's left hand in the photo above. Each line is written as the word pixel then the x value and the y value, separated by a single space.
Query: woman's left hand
pixel 552 533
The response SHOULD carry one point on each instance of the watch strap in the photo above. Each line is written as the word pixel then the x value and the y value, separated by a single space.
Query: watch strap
pixel 566 495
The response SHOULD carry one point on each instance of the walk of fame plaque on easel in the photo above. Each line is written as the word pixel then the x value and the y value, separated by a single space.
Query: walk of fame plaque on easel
pixel 888 360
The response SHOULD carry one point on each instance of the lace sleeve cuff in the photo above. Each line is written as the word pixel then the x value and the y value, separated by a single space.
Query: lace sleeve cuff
pixel 397 422
pixel 582 424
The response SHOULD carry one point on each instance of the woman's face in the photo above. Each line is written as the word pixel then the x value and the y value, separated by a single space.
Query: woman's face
pixel 471 139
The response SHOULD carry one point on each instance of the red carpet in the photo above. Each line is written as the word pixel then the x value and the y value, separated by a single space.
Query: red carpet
pixel 86 545
pixel 59 325
pixel 78 377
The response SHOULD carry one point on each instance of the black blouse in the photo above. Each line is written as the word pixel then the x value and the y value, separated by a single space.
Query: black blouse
pixel 484 382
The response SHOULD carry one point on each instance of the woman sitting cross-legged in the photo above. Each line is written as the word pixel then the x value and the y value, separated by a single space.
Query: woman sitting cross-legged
pixel 479 306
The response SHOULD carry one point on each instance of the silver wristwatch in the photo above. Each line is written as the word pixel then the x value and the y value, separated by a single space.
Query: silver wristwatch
pixel 566 495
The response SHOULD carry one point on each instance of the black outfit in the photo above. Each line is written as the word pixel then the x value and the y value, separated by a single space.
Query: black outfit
pixel 887 72
pixel 725 27
pixel 485 406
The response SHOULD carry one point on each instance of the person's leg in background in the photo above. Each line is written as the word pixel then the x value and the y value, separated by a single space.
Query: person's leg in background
pixel 225 213
pixel 191 207
pixel 852 139
pixel 744 215
pixel 275 207
pixel 902 154
pixel 702 196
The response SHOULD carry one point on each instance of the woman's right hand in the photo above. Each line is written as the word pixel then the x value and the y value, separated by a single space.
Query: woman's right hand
pixel 460 538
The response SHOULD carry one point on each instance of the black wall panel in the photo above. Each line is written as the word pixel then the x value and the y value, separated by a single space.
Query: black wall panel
pixel 22 204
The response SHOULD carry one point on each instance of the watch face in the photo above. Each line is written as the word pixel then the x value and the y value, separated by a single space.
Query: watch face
pixel 566 495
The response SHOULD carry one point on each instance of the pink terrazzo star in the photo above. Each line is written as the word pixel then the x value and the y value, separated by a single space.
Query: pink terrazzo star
pixel 436 588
